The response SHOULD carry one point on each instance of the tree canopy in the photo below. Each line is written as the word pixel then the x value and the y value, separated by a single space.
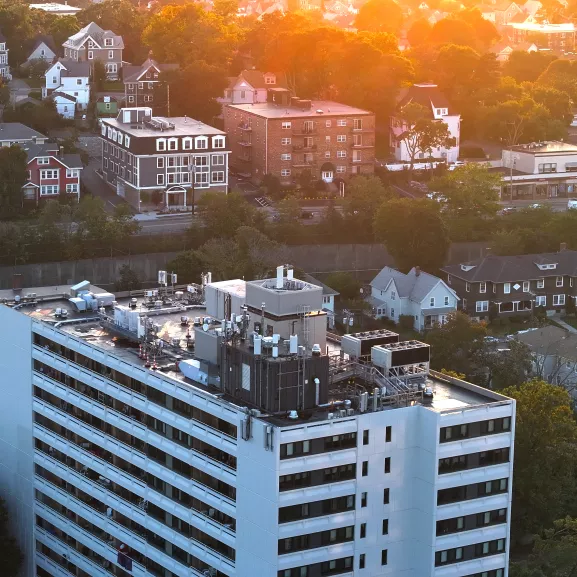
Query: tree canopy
pixel 10 555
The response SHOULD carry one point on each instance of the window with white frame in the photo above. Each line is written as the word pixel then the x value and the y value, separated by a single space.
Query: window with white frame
pixel 327 139
pixel 341 153
pixel 541 283
pixel 201 178
pixel 285 141
pixel 48 174
pixel 48 189
pixel 161 144
pixel 286 125
pixel 526 286
pixel 285 172
pixel 570 281
pixel 103 130
pixel 71 173
pixel 468 287
pixel 105 162
pixel 110 54
pixel 341 137
pixel 201 143
pixel 218 141
pixel 446 303
pixel 482 287
pixel 110 132
pixel 120 138
pixel 507 288
pixel 218 160
pixel 559 281
pixel 341 168
pixel 541 301
pixel 342 122
pixel 71 188
pixel 173 144
pixel 44 160
pixel 108 42
pixel 464 304
pixel 558 300
pixel 432 302
pixel 187 143
pixel 201 161
pixel 172 160
pixel 131 99
pixel 90 55
pixel 393 295
pixel 171 178
pixel 127 141
pixel 328 123
pixel 218 176
pixel 160 179
pixel 482 306
pixel 358 124
pixel 148 98
pixel 285 156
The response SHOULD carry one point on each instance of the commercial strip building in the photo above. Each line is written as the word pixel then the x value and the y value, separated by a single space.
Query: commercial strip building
pixel 134 444
pixel 287 136
pixel 539 170
pixel 179 157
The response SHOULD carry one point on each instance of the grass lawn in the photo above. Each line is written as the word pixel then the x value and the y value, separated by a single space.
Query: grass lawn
pixel 35 82
pixel 570 321
pixel 511 327
pixel 113 86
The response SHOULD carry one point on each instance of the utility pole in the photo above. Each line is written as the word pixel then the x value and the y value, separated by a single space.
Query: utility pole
pixel 168 115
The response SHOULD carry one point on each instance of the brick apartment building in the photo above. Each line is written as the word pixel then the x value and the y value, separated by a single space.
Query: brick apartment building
pixel 286 136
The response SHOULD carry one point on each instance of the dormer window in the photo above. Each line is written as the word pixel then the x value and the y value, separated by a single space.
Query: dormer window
pixel 109 42
pixel 549 266
pixel 559 281
pixel 482 287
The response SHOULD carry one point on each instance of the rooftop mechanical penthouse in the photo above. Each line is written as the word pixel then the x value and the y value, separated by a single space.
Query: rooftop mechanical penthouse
pixel 211 430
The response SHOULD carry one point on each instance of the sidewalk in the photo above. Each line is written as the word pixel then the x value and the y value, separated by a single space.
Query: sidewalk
pixel 566 326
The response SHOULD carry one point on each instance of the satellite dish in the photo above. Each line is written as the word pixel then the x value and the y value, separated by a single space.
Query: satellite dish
pixel 204 327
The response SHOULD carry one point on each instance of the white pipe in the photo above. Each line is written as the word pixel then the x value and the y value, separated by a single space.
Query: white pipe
pixel 279 276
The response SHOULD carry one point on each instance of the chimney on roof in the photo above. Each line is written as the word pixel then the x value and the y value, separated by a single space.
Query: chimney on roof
pixel 562 246
pixel 488 251
pixel 61 152
pixel 417 270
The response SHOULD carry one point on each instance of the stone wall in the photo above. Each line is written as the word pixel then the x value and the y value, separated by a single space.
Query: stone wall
pixel 363 259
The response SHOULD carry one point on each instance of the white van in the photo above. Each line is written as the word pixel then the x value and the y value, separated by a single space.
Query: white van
pixel 571 203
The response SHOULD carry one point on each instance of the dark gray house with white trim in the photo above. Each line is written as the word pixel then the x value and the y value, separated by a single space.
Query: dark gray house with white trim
pixel 175 156
pixel 515 285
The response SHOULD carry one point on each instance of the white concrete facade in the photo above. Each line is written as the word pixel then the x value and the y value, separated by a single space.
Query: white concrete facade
pixel 86 444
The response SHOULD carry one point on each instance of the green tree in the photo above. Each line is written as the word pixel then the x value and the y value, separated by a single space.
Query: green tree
pixel 507 243
pixel 288 224
pixel 380 16
pixel 363 196
pixel 224 214
pixel 13 176
pixel 422 134
pixel 128 279
pixel 194 90
pixel 544 487
pixel 507 368
pixel 98 75
pixel 527 66
pixel 10 555
pixel 456 345
pixel 470 190
pixel 561 74
pixel 187 265
pixel 554 552
pixel 419 31
pixel 346 284
pixel 413 233
pixel 42 118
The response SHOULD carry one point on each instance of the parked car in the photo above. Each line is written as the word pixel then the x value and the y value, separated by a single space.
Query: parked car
pixel 508 210
pixel 456 164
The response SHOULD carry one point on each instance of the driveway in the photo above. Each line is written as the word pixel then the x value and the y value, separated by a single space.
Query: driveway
pixel 18 90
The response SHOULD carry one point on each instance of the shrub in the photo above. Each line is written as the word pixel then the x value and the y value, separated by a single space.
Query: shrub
pixel 406 322
pixel 471 152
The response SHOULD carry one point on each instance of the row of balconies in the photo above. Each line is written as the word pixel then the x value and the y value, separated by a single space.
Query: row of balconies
pixel 119 531
pixel 134 428
pixel 138 401
pixel 127 453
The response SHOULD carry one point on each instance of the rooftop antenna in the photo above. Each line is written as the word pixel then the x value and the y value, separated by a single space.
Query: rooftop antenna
pixel 262 319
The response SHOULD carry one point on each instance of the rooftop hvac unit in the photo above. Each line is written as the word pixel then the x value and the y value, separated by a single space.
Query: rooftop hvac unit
pixel 400 354
pixel 350 412
pixel 360 344
pixel 342 413
pixel 330 416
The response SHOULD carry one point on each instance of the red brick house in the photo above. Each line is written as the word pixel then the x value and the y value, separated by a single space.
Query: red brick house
pixel 51 173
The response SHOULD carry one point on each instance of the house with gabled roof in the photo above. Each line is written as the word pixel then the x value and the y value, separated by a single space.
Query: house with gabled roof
pixel 51 173
pixel 93 43
pixel 438 108
pixel 67 82
pixel 515 285
pixel 423 296
pixel 250 87
pixel 502 12
pixel 141 82
pixel 43 49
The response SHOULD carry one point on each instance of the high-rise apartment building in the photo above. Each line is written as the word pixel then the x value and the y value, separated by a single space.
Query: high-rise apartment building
pixel 133 443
